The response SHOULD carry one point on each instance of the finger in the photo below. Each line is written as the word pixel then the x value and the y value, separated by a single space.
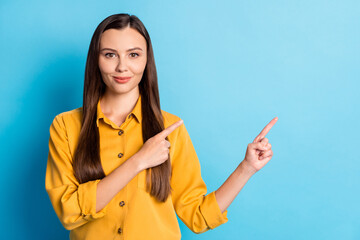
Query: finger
pixel 267 147
pixel 266 154
pixel 259 147
pixel 265 130
pixel 264 141
pixel 167 143
pixel 266 160
pixel 168 130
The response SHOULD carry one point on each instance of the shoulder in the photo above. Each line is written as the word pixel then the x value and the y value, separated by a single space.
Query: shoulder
pixel 66 127
pixel 179 132
pixel 169 118
pixel 69 119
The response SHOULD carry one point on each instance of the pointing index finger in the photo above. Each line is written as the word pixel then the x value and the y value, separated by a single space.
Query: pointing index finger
pixel 265 130
pixel 170 129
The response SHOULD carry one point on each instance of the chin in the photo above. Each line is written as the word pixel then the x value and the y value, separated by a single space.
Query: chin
pixel 123 90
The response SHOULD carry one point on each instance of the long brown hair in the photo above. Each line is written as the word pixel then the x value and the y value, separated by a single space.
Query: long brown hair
pixel 87 165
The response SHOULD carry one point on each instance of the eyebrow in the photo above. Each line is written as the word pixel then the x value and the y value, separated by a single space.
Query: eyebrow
pixel 131 49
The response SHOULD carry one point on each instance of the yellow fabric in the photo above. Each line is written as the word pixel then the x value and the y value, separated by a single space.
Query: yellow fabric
pixel 141 216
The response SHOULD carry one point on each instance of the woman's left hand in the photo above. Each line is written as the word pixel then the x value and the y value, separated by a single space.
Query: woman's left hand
pixel 259 152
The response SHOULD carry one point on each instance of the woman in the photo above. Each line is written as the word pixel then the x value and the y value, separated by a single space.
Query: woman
pixel 119 167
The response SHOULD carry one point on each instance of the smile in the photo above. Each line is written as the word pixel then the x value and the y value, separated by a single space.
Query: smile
pixel 122 80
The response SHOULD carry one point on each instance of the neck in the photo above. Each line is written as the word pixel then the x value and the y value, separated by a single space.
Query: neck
pixel 118 105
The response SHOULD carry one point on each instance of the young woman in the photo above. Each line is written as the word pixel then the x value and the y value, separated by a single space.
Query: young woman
pixel 119 167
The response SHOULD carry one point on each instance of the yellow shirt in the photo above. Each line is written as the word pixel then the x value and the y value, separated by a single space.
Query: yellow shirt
pixel 133 213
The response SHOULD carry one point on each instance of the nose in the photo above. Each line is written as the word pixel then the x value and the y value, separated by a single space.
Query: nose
pixel 121 66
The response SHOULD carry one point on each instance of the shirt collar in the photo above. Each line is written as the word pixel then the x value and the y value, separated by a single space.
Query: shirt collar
pixel 136 112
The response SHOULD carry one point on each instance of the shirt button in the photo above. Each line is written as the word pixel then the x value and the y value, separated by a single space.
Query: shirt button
pixel 121 132
pixel 120 155
pixel 119 230
pixel 122 203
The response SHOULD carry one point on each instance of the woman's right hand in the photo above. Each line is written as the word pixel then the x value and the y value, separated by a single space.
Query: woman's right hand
pixel 155 150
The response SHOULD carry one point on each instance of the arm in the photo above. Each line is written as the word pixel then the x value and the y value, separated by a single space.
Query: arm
pixel 258 154
pixel 75 204
pixel 199 212
pixel 154 152
pixel 109 186
pixel 233 185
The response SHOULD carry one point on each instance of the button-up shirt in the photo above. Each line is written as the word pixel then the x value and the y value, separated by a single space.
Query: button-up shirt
pixel 133 213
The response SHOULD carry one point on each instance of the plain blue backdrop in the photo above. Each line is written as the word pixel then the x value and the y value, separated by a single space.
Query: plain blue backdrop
pixel 227 68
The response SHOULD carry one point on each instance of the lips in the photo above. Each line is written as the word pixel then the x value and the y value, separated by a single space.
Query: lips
pixel 122 79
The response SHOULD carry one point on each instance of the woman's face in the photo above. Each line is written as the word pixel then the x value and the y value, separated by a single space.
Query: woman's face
pixel 123 53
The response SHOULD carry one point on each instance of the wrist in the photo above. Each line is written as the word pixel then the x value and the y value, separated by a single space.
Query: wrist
pixel 247 168
pixel 136 163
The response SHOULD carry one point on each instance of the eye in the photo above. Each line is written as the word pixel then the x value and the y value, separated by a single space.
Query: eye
pixel 134 54
pixel 109 55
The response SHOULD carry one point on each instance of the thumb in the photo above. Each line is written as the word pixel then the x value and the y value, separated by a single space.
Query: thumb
pixel 258 146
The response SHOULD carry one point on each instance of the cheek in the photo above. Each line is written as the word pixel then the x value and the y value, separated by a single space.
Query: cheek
pixel 138 67
pixel 106 67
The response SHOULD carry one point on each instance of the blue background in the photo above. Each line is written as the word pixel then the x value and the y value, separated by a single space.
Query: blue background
pixel 225 68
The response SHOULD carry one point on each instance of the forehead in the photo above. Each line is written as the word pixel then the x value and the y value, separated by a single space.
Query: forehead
pixel 122 39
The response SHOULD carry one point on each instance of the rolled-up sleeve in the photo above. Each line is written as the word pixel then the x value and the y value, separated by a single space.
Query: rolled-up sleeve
pixel 74 203
pixel 199 212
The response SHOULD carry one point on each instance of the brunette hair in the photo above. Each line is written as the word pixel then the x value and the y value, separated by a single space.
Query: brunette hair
pixel 87 165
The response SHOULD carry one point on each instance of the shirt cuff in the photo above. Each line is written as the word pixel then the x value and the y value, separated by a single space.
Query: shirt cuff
pixel 87 200
pixel 211 211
